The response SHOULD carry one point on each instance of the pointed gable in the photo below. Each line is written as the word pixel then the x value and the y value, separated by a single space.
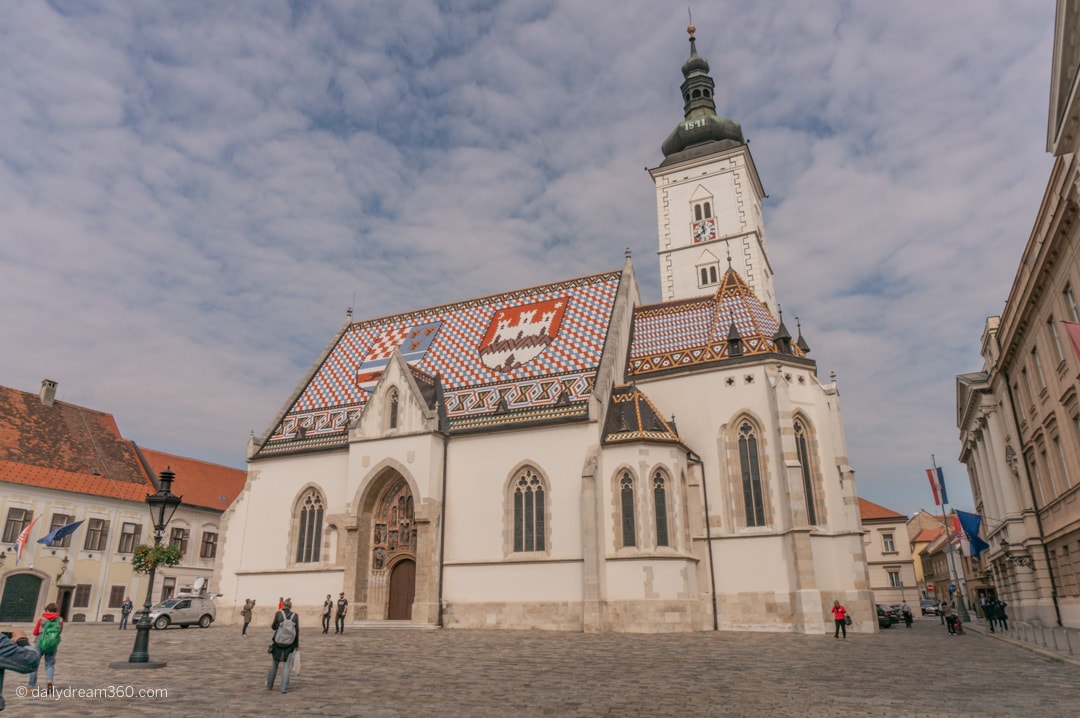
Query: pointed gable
pixel 508 359
pixel 696 331
pixel 632 417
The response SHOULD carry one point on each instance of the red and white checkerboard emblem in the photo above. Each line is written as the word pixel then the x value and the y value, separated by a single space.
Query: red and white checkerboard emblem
pixel 518 335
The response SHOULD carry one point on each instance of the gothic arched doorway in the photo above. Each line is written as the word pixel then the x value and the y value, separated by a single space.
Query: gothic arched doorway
pixel 393 552
pixel 19 603
pixel 402 591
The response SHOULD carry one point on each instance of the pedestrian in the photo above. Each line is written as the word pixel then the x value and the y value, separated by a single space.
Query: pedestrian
pixel 17 655
pixel 280 603
pixel 905 610
pixel 249 606
pixel 327 608
pixel 342 609
pixel 990 609
pixel 125 610
pixel 1002 617
pixel 941 611
pixel 839 614
pixel 48 629
pixel 286 629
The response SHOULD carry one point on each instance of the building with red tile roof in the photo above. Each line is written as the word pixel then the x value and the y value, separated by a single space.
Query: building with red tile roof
pixel 61 463
pixel 888 554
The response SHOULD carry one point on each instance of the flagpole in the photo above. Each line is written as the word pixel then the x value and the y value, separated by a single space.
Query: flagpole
pixel 961 585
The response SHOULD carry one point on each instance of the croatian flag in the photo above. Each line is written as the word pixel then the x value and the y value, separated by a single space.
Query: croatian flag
pixel 21 541
pixel 937 485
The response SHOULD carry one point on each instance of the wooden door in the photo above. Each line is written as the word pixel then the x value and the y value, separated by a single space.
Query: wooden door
pixel 402 591
pixel 19 604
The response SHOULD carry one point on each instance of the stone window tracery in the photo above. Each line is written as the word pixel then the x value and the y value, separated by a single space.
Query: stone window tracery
pixel 626 497
pixel 750 469
pixel 660 506
pixel 529 512
pixel 309 534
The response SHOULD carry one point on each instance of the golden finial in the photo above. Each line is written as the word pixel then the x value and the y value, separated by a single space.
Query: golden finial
pixel 690 28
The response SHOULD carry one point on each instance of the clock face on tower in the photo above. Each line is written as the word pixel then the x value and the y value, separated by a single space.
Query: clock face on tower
pixel 704 230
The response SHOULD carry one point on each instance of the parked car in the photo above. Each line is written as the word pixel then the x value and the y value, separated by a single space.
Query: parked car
pixel 929 608
pixel 886 616
pixel 183 611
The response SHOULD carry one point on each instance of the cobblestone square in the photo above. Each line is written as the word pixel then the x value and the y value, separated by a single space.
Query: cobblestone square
pixel 920 671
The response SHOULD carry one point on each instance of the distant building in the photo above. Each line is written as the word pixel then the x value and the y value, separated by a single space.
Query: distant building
pixel 922 528
pixel 1019 417
pixel 565 457
pixel 888 554
pixel 61 463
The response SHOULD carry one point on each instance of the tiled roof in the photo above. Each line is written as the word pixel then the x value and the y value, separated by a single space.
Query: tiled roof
pixel 691 332
pixel 927 535
pixel 507 359
pixel 60 480
pixel 201 483
pixel 68 448
pixel 632 417
pixel 869 511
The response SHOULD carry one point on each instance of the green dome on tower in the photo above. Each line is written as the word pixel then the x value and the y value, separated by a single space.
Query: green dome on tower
pixel 702 131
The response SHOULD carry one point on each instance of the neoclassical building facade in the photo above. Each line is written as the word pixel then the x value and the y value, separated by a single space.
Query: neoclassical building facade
pixel 1019 418
pixel 565 457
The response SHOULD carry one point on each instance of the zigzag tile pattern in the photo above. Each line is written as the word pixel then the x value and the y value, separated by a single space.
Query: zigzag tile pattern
pixel 554 384
pixel 691 332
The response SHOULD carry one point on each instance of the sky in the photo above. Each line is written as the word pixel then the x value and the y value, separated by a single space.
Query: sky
pixel 193 194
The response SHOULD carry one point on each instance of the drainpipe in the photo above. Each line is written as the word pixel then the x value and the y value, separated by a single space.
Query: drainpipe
pixel 444 429
pixel 1034 501
pixel 695 459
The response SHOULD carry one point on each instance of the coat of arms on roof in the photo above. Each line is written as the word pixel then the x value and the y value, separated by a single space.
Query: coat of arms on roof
pixel 413 341
pixel 517 335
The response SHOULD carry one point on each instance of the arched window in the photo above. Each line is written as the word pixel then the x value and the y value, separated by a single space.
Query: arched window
pixel 309 536
pixel 626 496
pixel 708 210
pixel 528 512
pixel 660 506
pixel 750 468
pixel 697 212
pixel 807 478
pixel 393 408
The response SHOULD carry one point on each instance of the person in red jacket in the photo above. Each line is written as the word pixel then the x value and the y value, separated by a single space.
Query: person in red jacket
pixel 41 628
pixel 839 614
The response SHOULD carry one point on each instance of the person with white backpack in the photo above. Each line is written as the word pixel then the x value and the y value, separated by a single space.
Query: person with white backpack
pixel 286 629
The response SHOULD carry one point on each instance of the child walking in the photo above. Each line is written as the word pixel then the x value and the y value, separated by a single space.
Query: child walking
pixel 48 629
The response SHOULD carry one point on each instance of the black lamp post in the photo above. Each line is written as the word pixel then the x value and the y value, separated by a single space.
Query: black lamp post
pixel 162 505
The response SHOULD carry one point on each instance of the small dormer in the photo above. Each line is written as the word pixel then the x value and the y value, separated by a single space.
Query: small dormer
pixel 401 402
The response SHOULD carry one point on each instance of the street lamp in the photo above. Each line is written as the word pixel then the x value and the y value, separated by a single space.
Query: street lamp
pixel 162 505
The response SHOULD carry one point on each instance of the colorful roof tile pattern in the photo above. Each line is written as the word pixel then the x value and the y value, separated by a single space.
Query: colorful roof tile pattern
pixel 692 332
pixel 518 357
pixel 632 417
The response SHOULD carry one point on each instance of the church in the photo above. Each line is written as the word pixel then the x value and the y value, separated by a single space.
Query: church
pixel 565 457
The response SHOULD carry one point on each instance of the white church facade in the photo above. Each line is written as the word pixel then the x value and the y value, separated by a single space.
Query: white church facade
pixel 564 457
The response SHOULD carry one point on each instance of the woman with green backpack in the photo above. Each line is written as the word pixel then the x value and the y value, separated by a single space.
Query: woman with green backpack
pixel 48 629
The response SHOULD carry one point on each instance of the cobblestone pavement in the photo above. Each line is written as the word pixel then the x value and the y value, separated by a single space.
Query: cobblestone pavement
pixel 920 671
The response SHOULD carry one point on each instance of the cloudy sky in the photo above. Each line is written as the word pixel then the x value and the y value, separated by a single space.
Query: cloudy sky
pixel 192 194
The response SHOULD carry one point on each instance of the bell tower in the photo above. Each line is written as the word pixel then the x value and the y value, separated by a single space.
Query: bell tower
pixel 708 198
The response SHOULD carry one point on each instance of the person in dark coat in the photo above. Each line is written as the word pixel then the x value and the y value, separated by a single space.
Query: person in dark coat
pixel 282 653
pixel 1002 617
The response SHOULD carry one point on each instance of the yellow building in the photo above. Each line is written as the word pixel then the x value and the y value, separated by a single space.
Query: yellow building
pixel 61 463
